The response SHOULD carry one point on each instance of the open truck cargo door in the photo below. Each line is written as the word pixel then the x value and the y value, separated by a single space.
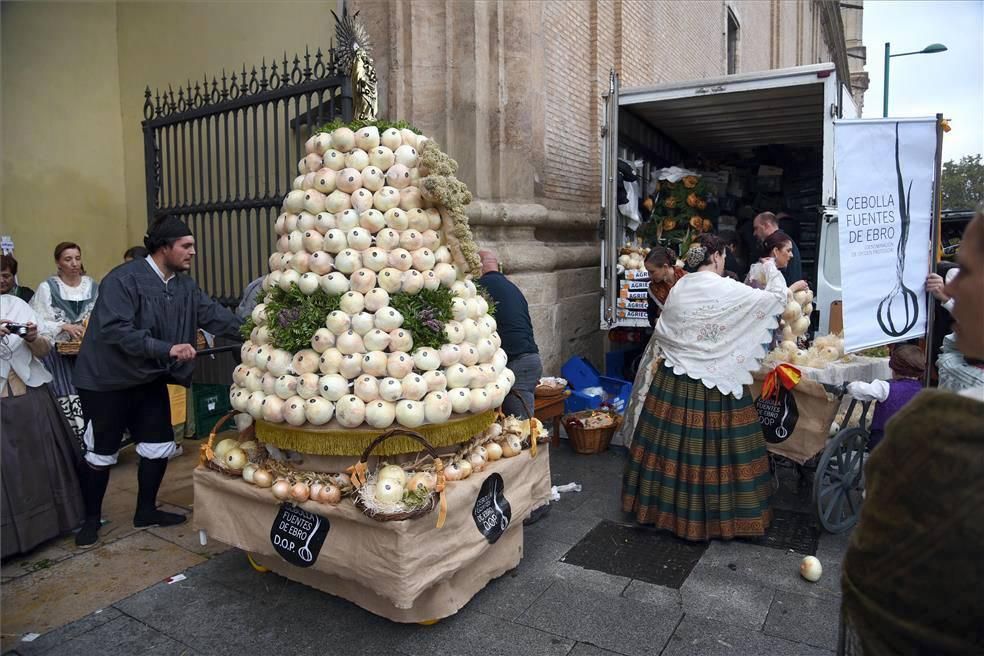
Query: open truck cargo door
pixel 736 116
pixel 610 225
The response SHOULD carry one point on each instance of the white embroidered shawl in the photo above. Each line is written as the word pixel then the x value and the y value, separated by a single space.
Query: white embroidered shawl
pixel 713 329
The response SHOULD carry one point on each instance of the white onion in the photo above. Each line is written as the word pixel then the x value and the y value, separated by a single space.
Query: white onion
pixel 343 139
pixel 390 389
pixel 387 239
pixel 367 137
pixel 382 157
pixel 333 159
pixel 399 364
pixel 436 381
pixel 318 411
pixel 348 261
pixel 469 355
pixel 350 411
pixel 376 339
pixel 308 284
pixel 295 241
pixel 410 413
pixel 391 138
pixel 350 343
pixel 338 322
pixel 372 221
pixel 380 414
pixel 305 361
pixel 450 354
pixel 314 201
pixel 363 281
pixel 410 197
pixel 377 298
pixel 398 176
pixel 337 201
pixel 308 385
pixel 446 273
pixel 396 219
pixel 330 361
pixel 348 180
pixel 388 319
pixel 375 259
pixel 389 491
pixel 254 404
pixel 458 375
pixel 400 259
pixel 324 180
pixel 375 364
pixel 333 386
pixel 334 241
pixel 362 323
pixel 267 381
pixel 460 400
pixel 437 407
pixel 352 303
pixel 401 340
pixel 373 178
pixel 320 263
pixel 347 219
pixel 279 362
pixel 386 199
pixel 417 218
pixel 335 283
pixel 238 399
pixel 361 200
pixel 321 142
pixel 411 282
pixel 294 202
pixel 454 332
pixel 367 388
pixel 357 159
pixel 414 387
pixel 811 569
pixel 285 386
pixel 351 366
pixel 390 280
pixel 273 410
pixel 426 359
pixel 294 411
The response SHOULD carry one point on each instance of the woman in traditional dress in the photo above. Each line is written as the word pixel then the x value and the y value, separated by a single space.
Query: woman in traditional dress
pixel 41 495
pixel 663 274
pixel 63 303
pixel 697 462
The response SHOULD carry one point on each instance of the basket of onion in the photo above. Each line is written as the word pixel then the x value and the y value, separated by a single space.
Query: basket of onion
pixel 230 456
pixel 391 494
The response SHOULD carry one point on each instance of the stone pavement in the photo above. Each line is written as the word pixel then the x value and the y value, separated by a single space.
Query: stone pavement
pixel 740 598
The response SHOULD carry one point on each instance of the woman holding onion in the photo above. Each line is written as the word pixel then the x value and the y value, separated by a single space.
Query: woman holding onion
pixel 63 304
pixel 697 463
pixel 663 274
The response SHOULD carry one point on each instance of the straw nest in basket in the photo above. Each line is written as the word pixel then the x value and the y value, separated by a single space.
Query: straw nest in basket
pixel 375 499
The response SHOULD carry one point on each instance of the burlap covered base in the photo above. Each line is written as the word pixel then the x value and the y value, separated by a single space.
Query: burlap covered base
pixel 405 571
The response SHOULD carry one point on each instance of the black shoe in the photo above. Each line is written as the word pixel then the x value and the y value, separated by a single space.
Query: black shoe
pixel 88 535
pixel 152 518
pixel 537 515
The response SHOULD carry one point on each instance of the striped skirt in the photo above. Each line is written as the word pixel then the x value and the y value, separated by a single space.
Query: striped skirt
pixel 698 464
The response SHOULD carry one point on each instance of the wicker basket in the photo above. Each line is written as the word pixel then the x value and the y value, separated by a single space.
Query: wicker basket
pixel 207 456
pixel 433 501
pixel 590 441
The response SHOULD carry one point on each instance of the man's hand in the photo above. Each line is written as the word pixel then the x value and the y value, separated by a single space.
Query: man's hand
pixel 3 327
pixel 183 352
pixel 799 286
pixel 934 285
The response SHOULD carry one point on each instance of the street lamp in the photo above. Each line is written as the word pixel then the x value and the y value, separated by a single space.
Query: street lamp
pixel 928 50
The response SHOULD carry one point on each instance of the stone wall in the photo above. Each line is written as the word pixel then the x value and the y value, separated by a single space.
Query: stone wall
pixel 513 91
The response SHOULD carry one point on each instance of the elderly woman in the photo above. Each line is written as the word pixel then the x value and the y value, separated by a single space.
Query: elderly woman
pixel 911 578
pixel 8 279
pixel 63 303
pixel 41 496
pixel 697 463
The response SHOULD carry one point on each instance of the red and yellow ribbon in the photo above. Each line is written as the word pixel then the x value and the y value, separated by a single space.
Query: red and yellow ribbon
pixel 786 375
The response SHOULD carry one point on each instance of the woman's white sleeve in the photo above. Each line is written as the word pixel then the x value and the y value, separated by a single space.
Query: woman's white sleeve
pixel 48 325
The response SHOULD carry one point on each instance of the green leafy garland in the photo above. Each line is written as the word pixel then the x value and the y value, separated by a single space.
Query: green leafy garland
pixel 484 293
pixel 425 315
pixel 293 317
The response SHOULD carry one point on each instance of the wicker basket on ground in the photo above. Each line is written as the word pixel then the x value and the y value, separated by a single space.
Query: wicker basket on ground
pixel 590 440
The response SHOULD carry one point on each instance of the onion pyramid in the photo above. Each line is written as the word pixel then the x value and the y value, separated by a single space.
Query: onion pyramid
pixel 369 317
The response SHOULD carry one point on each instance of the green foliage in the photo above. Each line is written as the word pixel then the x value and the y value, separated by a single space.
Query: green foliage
pixel 247 328
pixel 963 183
pixel 424 315
pixel 484 293
pixel 414 499
pixel 357 125
pixel 293 317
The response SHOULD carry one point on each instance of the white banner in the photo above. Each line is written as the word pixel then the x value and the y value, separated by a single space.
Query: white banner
pixel 885 181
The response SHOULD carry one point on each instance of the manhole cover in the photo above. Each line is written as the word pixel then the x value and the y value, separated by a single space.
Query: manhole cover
pixel 792 530
pixel 636 553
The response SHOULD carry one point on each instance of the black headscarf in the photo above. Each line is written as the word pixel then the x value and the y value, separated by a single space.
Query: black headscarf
pixel 164 231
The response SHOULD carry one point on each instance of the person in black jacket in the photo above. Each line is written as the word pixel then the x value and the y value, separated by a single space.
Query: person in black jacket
pixel 140 338
pixel 516 330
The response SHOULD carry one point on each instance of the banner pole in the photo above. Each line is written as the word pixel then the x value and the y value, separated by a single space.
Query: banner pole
pixel 934 248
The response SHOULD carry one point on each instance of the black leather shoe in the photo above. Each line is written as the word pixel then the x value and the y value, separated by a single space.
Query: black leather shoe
pixel 152 518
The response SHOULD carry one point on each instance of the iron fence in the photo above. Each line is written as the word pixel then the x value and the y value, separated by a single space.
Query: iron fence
pixel 221 155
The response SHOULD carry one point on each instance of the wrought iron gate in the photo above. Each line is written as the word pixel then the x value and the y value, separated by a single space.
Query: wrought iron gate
pixel 222 154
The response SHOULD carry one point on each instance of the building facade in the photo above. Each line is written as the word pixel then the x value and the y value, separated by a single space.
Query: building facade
pixel 512 89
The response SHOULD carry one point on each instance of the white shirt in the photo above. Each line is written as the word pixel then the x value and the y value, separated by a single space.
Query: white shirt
pixel 51 319
pixel 157 270
pixel 21 361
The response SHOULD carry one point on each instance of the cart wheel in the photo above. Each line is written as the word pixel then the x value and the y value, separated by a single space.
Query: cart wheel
pixel 838 485
pixel 255 565
pixel 428 622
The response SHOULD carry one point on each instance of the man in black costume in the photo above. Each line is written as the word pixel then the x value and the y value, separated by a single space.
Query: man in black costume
pixel 139 339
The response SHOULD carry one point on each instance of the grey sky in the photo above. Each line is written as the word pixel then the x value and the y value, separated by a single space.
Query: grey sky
pixel 951 82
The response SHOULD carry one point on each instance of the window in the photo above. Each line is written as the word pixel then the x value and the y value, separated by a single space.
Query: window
pixel 732 43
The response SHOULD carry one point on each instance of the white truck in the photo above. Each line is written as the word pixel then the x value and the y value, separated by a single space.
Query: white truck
pixel 733 116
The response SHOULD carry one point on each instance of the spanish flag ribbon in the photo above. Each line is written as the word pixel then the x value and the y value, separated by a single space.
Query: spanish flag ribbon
pixel 786 375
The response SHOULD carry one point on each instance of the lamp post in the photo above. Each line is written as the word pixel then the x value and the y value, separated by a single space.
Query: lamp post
pixel 928 50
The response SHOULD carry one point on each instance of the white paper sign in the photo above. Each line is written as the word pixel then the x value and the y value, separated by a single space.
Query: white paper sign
pixel 885 175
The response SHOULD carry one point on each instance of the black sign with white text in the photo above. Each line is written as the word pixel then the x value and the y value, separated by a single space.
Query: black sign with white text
pixel 492 512
pixel 298 535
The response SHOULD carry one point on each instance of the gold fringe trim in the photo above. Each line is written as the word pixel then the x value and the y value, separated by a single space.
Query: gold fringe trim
pixel 346 442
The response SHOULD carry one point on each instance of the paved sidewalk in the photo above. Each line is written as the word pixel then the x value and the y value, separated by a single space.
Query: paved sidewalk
pixel 740 597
